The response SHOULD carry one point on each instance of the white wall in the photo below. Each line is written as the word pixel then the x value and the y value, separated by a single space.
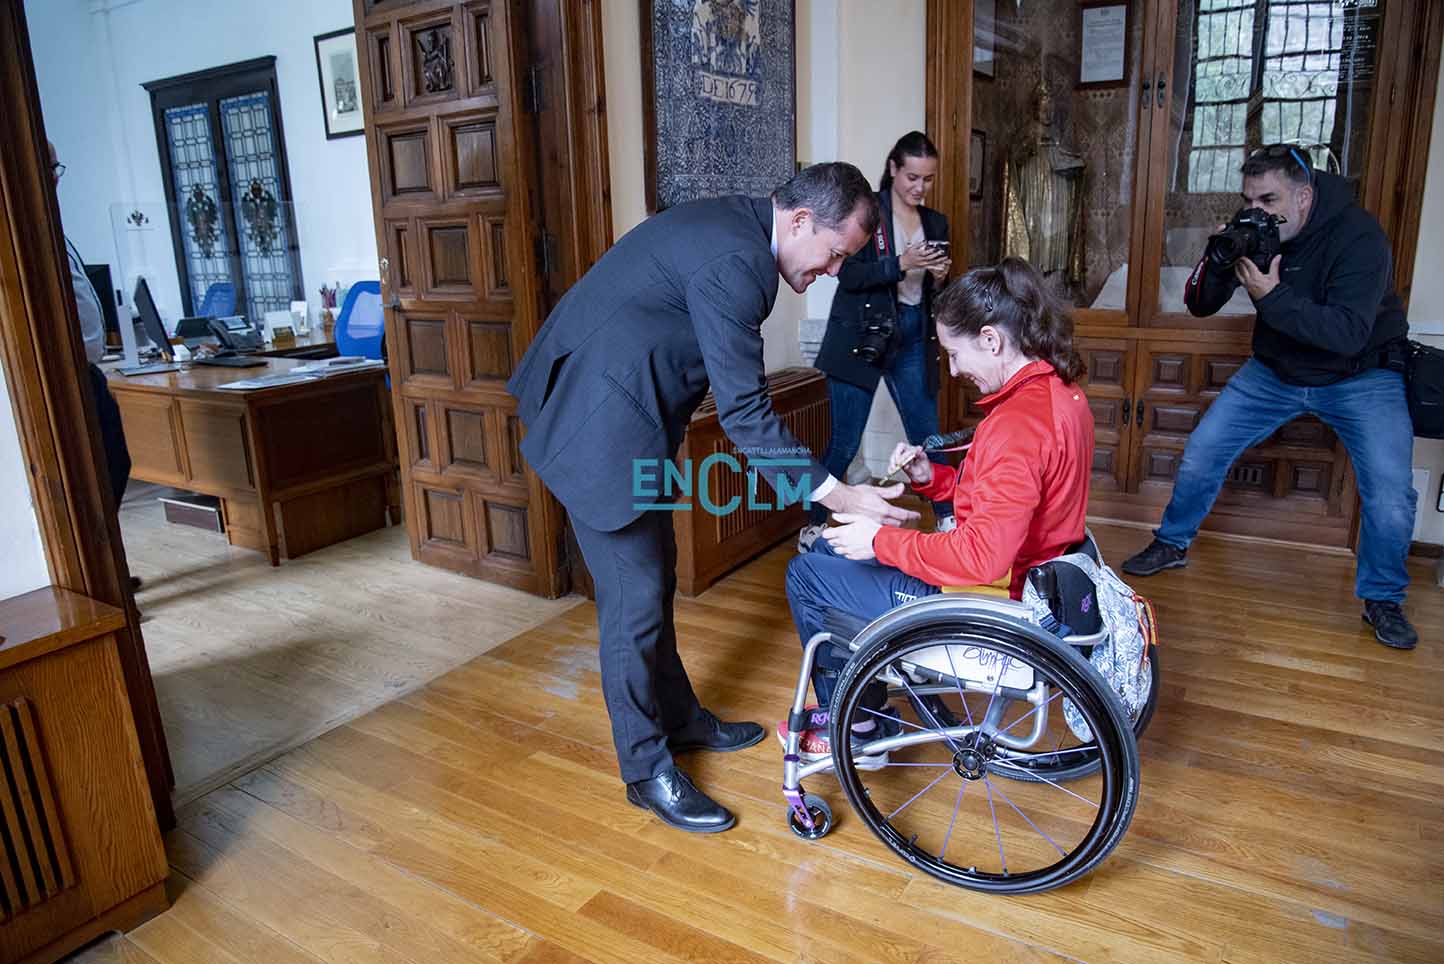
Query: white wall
pixel 1426 316
pixel 22 559
pixel 866 55
pixel 91 57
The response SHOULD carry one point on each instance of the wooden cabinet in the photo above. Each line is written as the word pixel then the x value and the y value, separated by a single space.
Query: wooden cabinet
pixel 1107 166
pixel 709 545
pixel 80 849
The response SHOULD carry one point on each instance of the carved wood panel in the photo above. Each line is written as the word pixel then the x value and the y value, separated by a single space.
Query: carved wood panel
pixel 1106 380
pixel 1300 469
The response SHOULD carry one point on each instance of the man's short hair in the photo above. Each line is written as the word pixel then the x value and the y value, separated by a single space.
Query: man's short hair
pixel 1288 159
pixel 833 192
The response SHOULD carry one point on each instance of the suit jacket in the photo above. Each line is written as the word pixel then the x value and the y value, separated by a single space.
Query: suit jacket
pixel 868 282
pixel 629 352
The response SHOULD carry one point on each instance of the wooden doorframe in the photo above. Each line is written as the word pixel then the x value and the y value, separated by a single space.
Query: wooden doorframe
pixel 43 357
pixel 49 383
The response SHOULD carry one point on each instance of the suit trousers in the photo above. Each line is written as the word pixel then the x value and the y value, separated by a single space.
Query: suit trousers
pixel 647 692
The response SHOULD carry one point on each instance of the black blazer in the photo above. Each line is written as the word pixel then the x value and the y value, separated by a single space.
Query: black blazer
pixel 629 352
pixel 871 276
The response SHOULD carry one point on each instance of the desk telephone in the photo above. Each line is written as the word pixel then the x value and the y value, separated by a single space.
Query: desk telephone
pixel 237 334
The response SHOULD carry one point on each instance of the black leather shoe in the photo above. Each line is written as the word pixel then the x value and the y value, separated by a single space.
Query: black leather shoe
pixel 673 798
pixel 1391 626
pixel 709 733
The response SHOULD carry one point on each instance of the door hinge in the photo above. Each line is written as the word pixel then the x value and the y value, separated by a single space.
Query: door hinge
pixel 546 253
pixel 535 101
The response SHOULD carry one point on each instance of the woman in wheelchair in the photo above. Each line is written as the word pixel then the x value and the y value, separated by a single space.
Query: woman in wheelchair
pixel 983 748
pixel 1020 495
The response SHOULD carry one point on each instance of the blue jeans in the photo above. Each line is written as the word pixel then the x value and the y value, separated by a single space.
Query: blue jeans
pixel 907 381
pixel 820 580
pixel 1371 417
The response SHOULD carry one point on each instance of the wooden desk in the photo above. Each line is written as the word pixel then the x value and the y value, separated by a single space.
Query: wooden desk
pixel 313 346
pixel 81 852
pixel 296 467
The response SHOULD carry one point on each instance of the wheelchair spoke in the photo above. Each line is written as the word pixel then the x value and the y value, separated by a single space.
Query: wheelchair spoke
pixel 916 795
pixel 996 831
pixel 1043 779
pixel 1056 694
pixel 958 681
pixel 962 785
pixel 997 686
pixel 917 701
pixel 1039 830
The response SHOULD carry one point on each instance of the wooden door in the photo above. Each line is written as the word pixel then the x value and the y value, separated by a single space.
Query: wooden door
pixel 452 170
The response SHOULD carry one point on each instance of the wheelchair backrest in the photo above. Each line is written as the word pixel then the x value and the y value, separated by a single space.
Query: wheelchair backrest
pixel 1072 597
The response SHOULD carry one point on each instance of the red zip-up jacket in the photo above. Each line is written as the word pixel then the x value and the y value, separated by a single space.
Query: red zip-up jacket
pixel 1021 495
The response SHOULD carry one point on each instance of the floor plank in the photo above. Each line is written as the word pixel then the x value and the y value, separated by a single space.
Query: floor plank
pixel 1289 809
pixel 251 660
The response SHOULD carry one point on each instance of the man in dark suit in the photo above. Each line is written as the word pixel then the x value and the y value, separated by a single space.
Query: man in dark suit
pixel 613 377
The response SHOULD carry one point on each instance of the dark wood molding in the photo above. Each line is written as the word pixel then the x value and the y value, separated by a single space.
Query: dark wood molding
pixel 1426 550
pixel 211 73
pixel 45 368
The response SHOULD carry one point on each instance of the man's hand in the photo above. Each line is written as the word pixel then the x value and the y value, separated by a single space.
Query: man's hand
pixel 852 539
pixel 1257 283
pixel 870 502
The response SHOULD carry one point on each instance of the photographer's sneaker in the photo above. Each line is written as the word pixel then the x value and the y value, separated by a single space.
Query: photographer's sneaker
pixel 1156 558
pixel 1391 626
pixel 808 536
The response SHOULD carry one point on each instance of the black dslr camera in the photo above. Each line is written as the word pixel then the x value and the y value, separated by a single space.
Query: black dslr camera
pixel 875 340
pixel 1253 233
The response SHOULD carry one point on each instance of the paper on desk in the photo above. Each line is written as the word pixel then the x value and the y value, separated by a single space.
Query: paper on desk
pixel 267 381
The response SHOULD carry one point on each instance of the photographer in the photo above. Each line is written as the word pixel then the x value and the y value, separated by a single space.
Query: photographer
pixel 881 325
pixel 1326 313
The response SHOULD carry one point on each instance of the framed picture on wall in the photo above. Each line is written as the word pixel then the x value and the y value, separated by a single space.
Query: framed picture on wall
pixel 1103 53
pixel 340 83
pixel 719 98
pixel 977 163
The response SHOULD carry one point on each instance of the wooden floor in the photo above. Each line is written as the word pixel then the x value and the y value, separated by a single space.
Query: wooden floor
pixel 1290 810
pixel 250 660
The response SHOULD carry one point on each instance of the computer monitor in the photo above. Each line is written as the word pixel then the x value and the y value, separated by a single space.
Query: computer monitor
pixel 150 319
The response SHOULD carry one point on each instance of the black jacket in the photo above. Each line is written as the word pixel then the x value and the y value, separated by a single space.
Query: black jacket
pixel 871 277
pixel 1334 307
pixel 673 308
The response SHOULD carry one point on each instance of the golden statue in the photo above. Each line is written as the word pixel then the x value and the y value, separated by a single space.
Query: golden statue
pixel 1043 196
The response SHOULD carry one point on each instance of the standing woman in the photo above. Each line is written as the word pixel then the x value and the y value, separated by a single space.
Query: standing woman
pixel 881 323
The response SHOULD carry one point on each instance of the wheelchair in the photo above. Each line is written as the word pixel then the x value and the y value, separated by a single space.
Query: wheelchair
pixel 1000 759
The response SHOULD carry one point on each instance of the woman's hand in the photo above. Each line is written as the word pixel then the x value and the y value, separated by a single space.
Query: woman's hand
pixel 852 539
pixel 919 255
pixel 940 270
pixel 914 460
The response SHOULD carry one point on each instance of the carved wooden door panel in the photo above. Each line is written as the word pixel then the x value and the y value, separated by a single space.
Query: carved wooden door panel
pixel 1108 381
pixel 449 148
pixel 1296 485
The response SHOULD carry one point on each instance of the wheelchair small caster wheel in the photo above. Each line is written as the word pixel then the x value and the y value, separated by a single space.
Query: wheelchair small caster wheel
pixel 820 813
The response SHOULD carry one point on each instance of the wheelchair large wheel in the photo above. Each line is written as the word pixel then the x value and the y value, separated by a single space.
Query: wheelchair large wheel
pixel 933 796
pixel 1063 765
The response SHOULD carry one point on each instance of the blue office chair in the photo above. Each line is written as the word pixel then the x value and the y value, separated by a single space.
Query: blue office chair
pixel 361 326
pixel 219 302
